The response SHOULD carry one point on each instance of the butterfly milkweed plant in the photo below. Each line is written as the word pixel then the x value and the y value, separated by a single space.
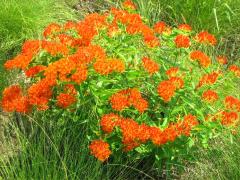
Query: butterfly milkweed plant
pixel 155 89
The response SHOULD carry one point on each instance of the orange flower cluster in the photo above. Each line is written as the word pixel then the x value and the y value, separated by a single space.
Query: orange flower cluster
pixel 232 103
pixel 52 29
pixel 177 81
pixel 100 150
pixel 55 48
pixel 126 98
pixel 210 96
pixel 40 93
pixel 107 66
pixel 167 88
pixel 88 28
pixel 21 61
pixel 208 79
pixel 134 134
pixel 68 97
pixel 229 118
pixel 203 59
pixel 66 40
pixel 150 65
pixel 65 100
pixel 172 72
pixel 31 72
pixel 135 25
pixel 235 69
pixel 70 67
pixel 128 4
pixel 222 60
pixel 185 27
pixel 13 100
pixel 161 27
pixel 182 41
pixel 205 37
pixel 63 70
pixel 113 30
pixel 109 122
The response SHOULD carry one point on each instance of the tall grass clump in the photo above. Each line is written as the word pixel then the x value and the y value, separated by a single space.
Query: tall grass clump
pixel 58 149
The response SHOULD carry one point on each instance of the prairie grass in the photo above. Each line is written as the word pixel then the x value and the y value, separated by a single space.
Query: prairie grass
pixel 219 161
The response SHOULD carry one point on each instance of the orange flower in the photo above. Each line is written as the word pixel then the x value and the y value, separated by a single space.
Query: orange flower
pixel 149 65
pixel 40 93
pixel 141 105
pixel 128 4
pixel 95 20
pixel 31 72
pixel 100 150
pixel 126 98
pixel 232 103
pixel 51 29
pixel 133 134
pixel 182 41
pixel 188 123
pixel 66 40
pixel 222 60
pixel 21 61
pixel 133 95
pixel 70 25
pixel 184 127
pixel 203 59
pixel 229 118
pixel 172 72
pixel 65 100
pixel 159 27
pixel 102 67
pixel 13 100
pixel 80 74
pixel 235 69
pixel 177 81
pixel 210 96
pixel 151 40
pixel 113 29
pixel 185 27
pixel 55 48
pixel 107 66
pixel 166 90
pixel 31 47
pixel 205 37
pixel 157 136
pixel 119 101
pixel 208 79
pixel 109 121
pixel 61 69
pixel 117 65
pixel 70 89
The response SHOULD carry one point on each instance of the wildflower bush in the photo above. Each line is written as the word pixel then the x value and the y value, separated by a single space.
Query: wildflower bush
pixel 156 90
